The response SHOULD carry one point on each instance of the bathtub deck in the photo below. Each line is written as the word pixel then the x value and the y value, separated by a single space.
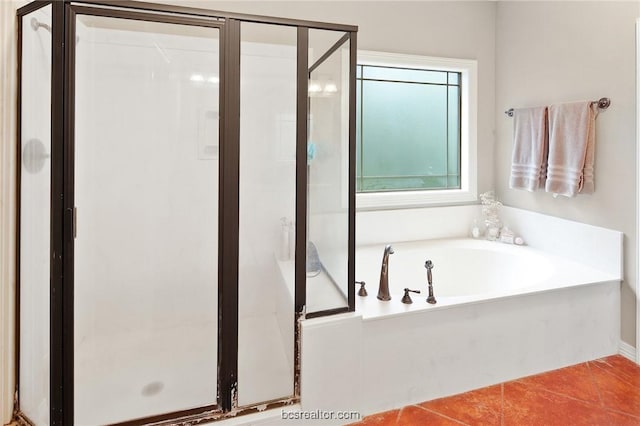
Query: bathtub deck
pixel 601 392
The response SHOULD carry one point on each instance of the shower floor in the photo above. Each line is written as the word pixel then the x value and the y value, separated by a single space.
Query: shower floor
pixel 139 374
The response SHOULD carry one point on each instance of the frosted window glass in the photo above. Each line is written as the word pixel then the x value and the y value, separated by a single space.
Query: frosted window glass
pixel 404 74
pixel 453 142
pixel 358 138
pixel 408 132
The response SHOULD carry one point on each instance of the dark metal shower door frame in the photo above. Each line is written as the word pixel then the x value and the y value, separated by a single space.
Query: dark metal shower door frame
pixel 62 206
pixel 62 225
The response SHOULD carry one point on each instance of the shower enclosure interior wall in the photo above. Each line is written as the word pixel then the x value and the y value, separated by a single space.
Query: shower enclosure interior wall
pixel 186 198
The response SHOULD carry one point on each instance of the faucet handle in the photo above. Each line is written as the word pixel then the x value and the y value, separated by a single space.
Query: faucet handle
pixel 363 291
pixel 406 298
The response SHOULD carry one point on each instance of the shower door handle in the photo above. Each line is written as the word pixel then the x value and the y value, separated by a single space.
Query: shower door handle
pixel 70 217
pixel 74 223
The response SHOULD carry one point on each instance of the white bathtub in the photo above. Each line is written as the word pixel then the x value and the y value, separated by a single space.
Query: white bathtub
pixel 465 271
pixel 503 311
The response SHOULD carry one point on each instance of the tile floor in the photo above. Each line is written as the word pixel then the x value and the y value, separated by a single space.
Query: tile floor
pixel 603 392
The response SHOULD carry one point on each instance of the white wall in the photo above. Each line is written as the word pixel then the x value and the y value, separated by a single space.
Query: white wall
pixel 549 52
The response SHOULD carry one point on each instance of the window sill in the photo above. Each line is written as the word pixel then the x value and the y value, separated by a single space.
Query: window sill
pixel 409 199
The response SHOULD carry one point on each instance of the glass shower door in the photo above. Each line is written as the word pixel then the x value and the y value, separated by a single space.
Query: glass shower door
pixel 146 197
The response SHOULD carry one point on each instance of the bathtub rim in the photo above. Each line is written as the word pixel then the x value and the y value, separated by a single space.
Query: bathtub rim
pixel 372 309
pixel 426 308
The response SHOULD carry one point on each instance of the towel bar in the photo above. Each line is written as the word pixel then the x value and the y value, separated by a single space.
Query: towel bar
pixel 603 103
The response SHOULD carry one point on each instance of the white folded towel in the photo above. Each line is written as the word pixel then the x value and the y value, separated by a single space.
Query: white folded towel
pixel 588 184
pixel 571 148
pixel 530 148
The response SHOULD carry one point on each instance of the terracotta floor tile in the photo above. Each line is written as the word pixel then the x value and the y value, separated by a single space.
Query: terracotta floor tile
pixel 386 418
pixel 479 407
pixel 604 392
pixel 619 366
pixel 620 419
pixel 413 415
pixel 617 392
pixel 574 381
pixel 531 405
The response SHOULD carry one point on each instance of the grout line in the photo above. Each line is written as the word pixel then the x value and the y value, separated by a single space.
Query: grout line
pixel 501 404
pixel 595 383
pixel 398 416
pixel 616 373
pixel 442 415
pixel 613 410
pixel 536 388
pixel 601 361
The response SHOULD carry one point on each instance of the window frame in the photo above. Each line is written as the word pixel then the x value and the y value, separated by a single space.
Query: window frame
pixel 468 191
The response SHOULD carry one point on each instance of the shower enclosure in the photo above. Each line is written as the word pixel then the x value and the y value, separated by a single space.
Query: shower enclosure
pixel 186 198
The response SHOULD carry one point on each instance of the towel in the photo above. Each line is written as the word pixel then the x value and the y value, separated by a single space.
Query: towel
pixel 588 185
pixel 530 148
pixel 571 148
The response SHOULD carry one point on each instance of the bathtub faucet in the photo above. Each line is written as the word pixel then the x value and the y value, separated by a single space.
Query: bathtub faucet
pixel 383 290
pixel 429 265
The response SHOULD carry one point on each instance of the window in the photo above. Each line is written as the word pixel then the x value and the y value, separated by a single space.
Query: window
pixel 416 124
pixel 409 120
